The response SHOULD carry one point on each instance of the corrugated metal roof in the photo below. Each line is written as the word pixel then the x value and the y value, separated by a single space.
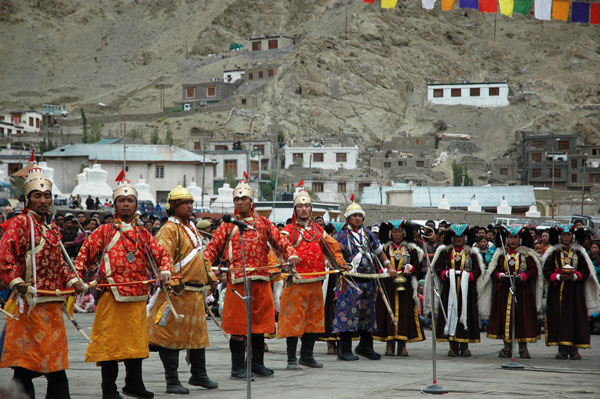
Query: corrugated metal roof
pixel 134 152
pixel 487 196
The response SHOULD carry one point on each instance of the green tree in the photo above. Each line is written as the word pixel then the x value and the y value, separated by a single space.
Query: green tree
pixel 84 122
pixel 457 174
pixel 230 179
pixel 155 139
pixel 169 136
pixel 95 131
pixel 467 181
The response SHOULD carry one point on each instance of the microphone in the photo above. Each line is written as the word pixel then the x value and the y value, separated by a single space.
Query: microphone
pixel 238 223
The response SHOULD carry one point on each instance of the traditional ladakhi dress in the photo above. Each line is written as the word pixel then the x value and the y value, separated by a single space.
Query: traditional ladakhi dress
pixel 184 246
pixel 256 249
pixel 38 340
pixel 495 298
pixel 405 304
pixel 302 302
pixel 463 318
pixel 119 331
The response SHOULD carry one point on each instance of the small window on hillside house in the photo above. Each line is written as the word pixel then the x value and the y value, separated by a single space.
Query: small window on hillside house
pixel 256 46
pixel 190 92
pixel 437 93
pixel 341 157
pixel 318 157
pixel 494 91
pixel 273 44
pixel 455 92
pixel 475 91
pixel 270 73
pixel 211 91
pixel 317 187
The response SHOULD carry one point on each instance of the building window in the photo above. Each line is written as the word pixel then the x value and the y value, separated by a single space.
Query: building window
pixel 594 178
pixel 342 187
pixel 475 91
pixel 30 121
pixel 37 123
pixel 556 172
pixel 260 74
pixel 211 91
pixel 574 178
pixel 260 148
pixel 494 91
pixel 420 164
pixel 298 158
pixel 503 171
pixel 190 92
pixel 387 164
pixel 272 44
pixel 264 164
pixel 243 101
pixel 318 157
pixel 221 147
pixel 437 93
pixel 574 163
pixel 197 145
pixel 538 143
pixel 594 151
pixel 536 173
pixel 317 187
pixel 563 145
pixel 250 76
pixel 230 167
pixel 417 141
pixel 400 163
pixel 341 157
pixel 256 46
pixel 536 157
pixel 159 172
pixel 270 73
pixel 455 92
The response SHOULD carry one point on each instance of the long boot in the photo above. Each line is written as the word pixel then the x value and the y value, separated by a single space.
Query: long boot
pixel 506 351
pixel 238 359
pixel 563 352
pixel 402 348
pixel 389 348
pixel 292 361
pixel 454 349
pixel 170 361
pixel 23 378
pixel 258 354
pixel 109 371
pixel 58 385
pixel 365 346
pixel 464 350
pixel 198 370
pixel 574 353
pixel 134 384
pixel 345 347
pixel 306 351
pixel 523 352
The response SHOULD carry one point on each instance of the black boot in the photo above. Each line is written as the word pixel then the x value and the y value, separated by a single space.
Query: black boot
pixel 292 361
pixel 365 346
pixel 58 385
pixel 23 378
pixel 345 347
pixel 258 353
pixel 199 377
pixel 238 359
pixel 306 351
pixel 109 371
pixel 134 384
pixel 170 361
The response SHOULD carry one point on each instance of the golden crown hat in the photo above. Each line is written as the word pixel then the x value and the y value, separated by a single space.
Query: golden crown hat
pixel 243 189
pixel 353 209
pixel 36 181
pixel 124 188
pixel 177 193
pixel 301 196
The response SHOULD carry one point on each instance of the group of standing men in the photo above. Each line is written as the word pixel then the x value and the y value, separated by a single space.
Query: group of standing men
pixel 375 290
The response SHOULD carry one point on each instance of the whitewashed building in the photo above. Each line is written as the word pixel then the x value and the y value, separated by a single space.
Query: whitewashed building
pixel 486 94
pixel 231 75
pixel 324 157
pixel 18 122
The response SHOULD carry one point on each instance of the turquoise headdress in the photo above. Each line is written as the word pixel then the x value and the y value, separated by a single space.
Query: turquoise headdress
pixel 459 229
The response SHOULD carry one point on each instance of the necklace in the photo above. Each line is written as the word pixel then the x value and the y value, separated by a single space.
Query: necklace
pixel 130 255
pixel 302 230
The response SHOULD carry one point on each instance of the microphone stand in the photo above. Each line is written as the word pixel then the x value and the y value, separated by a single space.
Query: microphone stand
pixel 247 298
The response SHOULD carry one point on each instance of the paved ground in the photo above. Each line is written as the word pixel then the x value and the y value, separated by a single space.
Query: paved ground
pixel 391 377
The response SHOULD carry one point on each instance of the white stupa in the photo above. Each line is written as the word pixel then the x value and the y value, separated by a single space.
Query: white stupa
pixel 49 172
pixel 533 212
pixel 474 205
pixel 224 201
pixel 143 190
pixel 197 194
pixel 504 208
pixel 92 182
pixel 444 204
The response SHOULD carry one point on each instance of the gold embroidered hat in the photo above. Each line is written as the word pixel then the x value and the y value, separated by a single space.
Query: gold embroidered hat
pixel 36 181
pixel 178 193
pixel 243 189
pixel 124 188
pixel 353 209
pixel 301 196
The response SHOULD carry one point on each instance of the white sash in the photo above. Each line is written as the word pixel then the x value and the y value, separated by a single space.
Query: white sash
pixel 180 265
pixel 452 311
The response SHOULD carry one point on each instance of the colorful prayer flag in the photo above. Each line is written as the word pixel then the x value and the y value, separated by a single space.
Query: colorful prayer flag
pixel 580 12
pixel 507 7
pixel 121 176
pixel 469 4
pixel 595 13
pixel 388 3
pixel 32 156
pixel 447 5
pixel 543 9
pixel 428 4
pixel 560 9
pixel 488 6
pixel 523 6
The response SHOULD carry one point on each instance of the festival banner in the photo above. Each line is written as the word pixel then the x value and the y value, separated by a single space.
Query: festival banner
pixel 595 13
pixel 447 5
pixel 469 4
pixel 560 9
pixel 523 6
pixel 388 3
pixel 507 7
pixel 428 4
pixel 490 6
pixel 580 12
pixel 543 9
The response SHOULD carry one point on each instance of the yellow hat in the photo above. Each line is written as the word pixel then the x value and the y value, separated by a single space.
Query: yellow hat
pixel 36 181
pixel 302 197
pixel 124 188
pixel 203 224
pixel 177 193
pixel 243 189
pixel 353 209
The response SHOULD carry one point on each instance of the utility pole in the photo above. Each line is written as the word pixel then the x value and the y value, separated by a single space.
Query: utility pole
pixel 584 160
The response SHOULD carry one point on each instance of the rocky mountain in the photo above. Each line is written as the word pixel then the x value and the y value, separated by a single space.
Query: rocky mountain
pixel 357 72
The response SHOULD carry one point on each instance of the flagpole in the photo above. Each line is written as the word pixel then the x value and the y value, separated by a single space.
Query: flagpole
pixel 495 18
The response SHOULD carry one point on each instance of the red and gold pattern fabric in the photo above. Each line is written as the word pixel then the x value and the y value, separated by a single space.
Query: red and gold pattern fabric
pixel 256 247
pixel 263 309
pixel 301 310
pixel 113 242
pixel 37 341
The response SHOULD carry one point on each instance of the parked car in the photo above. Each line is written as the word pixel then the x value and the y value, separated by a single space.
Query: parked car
pixel 588 224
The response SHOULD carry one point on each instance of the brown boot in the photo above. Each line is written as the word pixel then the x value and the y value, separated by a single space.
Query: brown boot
pixel 454 349
pixel 402 348
pixel 562 353
pixel 523 352
pixel 506 352
pixel 464 350
pixel 574 353
pixel 331 348
pixel 389 348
